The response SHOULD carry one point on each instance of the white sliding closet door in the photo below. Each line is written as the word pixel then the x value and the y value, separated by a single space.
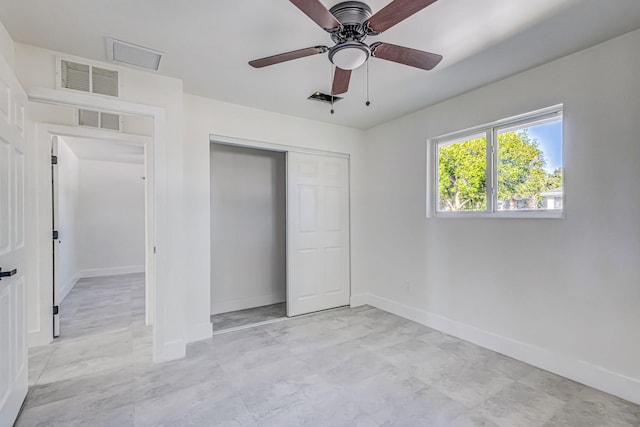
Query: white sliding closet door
pixel 317 233
pixel 13 330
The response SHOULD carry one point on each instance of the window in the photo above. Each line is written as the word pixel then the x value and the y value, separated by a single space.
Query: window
pixel 510 168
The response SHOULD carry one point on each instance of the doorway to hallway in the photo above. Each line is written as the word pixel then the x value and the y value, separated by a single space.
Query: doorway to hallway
pixel 98 206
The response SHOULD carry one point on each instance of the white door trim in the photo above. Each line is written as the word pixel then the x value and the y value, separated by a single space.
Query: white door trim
pixel 250 143
pixel 45 132
pixel 163 348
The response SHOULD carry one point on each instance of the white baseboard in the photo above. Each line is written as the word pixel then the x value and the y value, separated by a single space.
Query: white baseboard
pixel 39 338
pixel 171 350
pixel 244 303
pixel 66 288
pixel 578 370
pixel 200 331
pixel 359 300
pixel 111 271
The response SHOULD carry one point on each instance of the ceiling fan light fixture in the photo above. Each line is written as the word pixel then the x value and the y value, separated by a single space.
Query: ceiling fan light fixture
pixel 349 55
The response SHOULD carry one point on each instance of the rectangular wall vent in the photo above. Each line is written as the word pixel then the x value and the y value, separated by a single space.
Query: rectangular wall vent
pixel 109 121
pixel 76 76
pixel 87 78
pixel 89 118
pixel 105 82
pixel 97 119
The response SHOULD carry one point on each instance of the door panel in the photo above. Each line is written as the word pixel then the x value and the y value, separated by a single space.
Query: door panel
pixel 317 233
pixel 308 208
pixel 13 332
pixel 20 342
pixel 18 200
pixel 5 336
pixel 5 186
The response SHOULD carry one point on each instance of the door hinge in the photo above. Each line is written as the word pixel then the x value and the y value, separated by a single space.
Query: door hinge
pixel 54 160
pixel 55 234
pixel 55 310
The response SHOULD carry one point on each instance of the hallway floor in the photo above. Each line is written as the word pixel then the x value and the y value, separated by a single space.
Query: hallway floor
pixel 346 367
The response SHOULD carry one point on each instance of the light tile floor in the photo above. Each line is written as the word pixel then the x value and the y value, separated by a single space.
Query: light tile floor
pixel 249 316
pixel 348 367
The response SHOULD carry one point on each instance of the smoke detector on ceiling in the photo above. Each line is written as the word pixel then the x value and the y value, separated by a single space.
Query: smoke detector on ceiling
pixel 134 55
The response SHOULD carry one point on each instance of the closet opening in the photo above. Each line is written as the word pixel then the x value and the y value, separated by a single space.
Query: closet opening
pixel 248 236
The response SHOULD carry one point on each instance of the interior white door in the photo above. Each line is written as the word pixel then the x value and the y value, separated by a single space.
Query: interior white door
pixel 318 273
pixel 13 332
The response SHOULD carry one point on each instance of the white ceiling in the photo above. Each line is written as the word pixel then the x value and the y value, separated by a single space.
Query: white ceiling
pixel 208 43
pixel 105 150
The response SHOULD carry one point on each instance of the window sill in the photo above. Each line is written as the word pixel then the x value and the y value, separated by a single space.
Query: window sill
pixel 551 214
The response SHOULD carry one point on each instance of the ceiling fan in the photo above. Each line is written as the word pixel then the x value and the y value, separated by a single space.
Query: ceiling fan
pixel 349 23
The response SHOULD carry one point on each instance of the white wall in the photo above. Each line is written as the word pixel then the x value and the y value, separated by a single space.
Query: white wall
pixel 204 117
pixel 481 279
pixel 248 228
pixel 68 186
pixel 6 45
pixel 110 218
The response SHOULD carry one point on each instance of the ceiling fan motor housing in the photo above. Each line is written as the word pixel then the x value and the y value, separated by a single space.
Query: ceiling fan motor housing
pixel 350 52
pixel 352 15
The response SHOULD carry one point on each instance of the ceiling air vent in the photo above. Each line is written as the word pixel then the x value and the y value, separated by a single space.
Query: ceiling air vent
pixel 323 97
pixel 97 119
pixel 131 54
pixel 87 78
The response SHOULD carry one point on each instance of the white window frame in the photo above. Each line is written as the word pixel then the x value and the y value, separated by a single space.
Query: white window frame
pixel 490 131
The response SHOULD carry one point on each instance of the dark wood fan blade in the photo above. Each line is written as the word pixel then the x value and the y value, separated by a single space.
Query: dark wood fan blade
pixel 340 81
pixel 405 55
pixel 394 12
pixel 288 56
pixel 318 13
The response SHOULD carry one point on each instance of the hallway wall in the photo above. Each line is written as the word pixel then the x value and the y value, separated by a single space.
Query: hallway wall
pixel 67 252
pixel 111 218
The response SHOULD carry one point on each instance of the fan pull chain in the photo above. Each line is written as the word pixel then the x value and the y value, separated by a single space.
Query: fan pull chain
pixel 333 75
pixel 368 102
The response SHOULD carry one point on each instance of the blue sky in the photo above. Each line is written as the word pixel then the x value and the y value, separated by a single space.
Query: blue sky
pixel 549 138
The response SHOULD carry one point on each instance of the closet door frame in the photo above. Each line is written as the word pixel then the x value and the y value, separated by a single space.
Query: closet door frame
pixel 247 143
